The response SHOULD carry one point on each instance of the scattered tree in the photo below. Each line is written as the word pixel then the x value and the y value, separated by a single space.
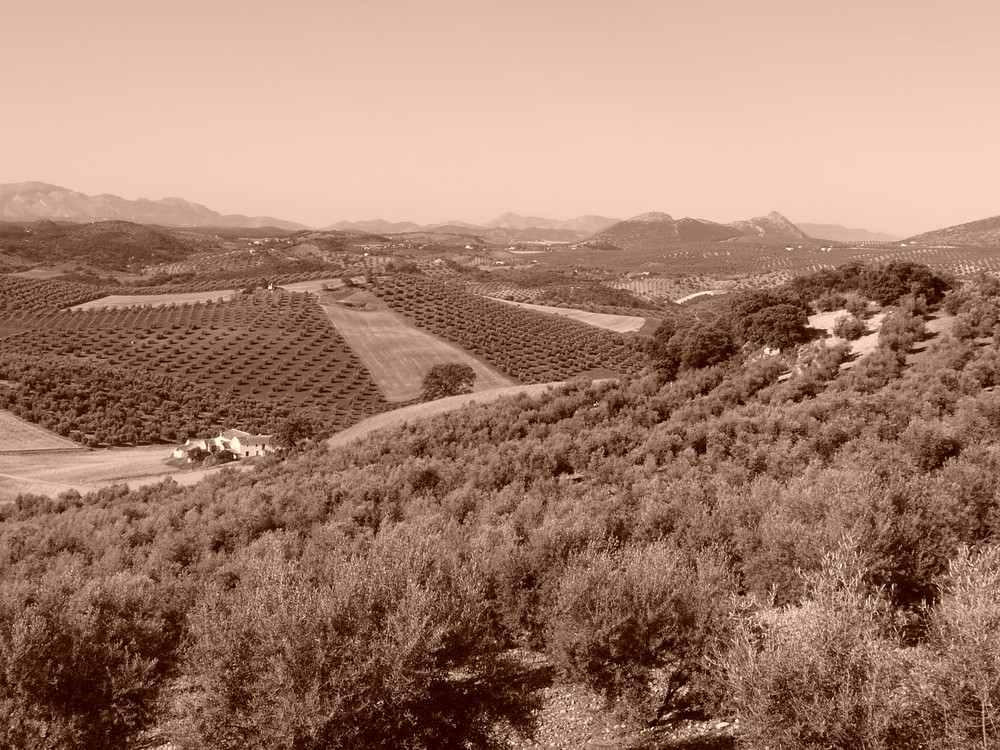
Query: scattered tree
pixel 449 379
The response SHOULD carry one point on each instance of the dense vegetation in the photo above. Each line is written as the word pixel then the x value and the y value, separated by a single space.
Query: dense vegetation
pixel 102 405
pixel 21 297
pixel 817 556
pixel 113 245
pixel 274 349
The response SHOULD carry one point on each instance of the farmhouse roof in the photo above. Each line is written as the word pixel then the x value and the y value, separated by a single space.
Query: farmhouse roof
pixel 230 434
pixel 256 440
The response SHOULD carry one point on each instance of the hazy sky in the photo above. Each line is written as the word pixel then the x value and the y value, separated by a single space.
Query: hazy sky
pixel 882 114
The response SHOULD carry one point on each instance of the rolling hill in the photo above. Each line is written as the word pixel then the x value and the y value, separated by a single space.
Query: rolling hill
pixel 652 230
pixel 112 245
pixel 981 233
pixel 773 227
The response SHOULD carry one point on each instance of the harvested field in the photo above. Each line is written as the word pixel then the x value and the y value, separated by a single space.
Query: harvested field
pixel 398 355
pixel 50 473
pixel 313 285
pixel 18 435
pixel 155 300
pixel 616 323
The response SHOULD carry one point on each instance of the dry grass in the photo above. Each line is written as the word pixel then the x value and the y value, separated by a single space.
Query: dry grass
pixel 18 435
pixel 50 473
pixel 616 323
pixel 155 300
pixel 313 285
pixel 398 355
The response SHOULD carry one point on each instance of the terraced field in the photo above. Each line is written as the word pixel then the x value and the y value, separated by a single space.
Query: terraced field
pixel 398 355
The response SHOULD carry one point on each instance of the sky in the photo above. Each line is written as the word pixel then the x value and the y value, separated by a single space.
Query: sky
pixel 882 114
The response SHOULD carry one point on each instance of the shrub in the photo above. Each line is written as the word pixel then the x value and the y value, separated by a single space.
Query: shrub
pixel 389 648
pixel 448 379
pixel 956 695
pixel 856 305
pixel 704 344
pixel 82 662
pixel 822 674
pixel 637 624
pixel 849 327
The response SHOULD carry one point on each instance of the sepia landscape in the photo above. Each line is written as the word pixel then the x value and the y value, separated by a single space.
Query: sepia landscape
pixel 658 410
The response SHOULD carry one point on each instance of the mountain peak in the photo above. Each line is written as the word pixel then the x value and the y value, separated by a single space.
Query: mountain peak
pixel 773 227
pixel 652 216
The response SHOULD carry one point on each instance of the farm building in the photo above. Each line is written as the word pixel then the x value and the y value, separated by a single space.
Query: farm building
pixel 241 444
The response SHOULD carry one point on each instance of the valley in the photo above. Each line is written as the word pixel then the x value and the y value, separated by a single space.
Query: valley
pixel 685 459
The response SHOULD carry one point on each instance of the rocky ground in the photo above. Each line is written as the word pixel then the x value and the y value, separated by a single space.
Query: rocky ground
pixel 574 718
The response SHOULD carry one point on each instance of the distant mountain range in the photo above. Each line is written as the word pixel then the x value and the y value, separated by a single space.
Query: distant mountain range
pixel 839 233
pixel 34 201
pixel 509 227
pixel 651 231
pixel 31 201
pixel 981 233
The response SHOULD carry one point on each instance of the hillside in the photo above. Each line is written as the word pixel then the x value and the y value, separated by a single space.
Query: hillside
pixel 111 245
pixel 771 543
pixel 31 201
pixel 654 230
pixel 981 233
pixel 773 227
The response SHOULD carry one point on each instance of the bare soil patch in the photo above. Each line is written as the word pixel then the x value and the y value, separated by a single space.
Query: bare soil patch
pixel 617 323
pixel 155 300
pixel 398 355
pixel 18 435
pixel 859 347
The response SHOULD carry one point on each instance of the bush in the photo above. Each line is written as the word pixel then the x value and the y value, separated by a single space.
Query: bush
pixel 449 379
pixel 390 648
pixel 958 703
pixel 704 344
pixel 82 662
pixel 637 625
pixel 823 674
pixel 849 327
